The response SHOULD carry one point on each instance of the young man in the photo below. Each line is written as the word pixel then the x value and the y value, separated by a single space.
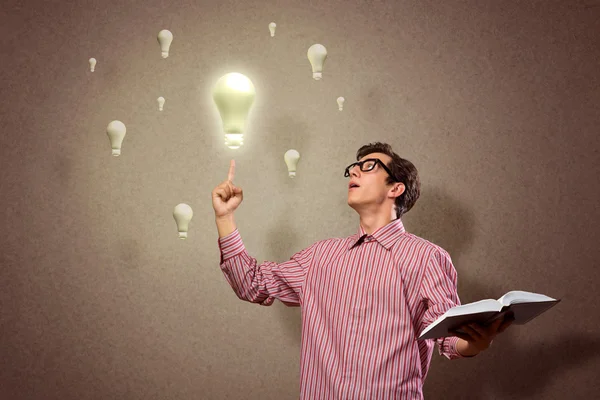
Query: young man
pixel 364 298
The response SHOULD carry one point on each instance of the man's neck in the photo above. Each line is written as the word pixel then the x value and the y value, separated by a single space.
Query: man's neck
pixel 370 223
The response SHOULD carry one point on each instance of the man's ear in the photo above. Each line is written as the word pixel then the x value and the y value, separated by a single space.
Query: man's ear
pixel 398 189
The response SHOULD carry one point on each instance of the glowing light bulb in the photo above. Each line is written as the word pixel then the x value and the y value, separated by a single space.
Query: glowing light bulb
pixel 165 38
pixel 234 94
pixel 183 215
pixel 340 101
pixel 92 62
pixel 161 103
pixel 317 53
pixel 272 27
pixel 291 158
pixel 116 133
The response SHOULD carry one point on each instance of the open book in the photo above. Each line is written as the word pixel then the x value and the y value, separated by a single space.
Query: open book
pixel 524 306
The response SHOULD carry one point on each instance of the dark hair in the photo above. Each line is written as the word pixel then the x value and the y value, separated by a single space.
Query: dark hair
pixel 403 170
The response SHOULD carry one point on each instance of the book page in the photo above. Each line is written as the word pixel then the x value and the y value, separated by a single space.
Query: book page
pixel 520 296
pixel 476 307
pixel 525 312
pixel 440 327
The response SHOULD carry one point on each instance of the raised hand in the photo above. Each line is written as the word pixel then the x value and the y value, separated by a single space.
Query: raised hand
pixel 226 197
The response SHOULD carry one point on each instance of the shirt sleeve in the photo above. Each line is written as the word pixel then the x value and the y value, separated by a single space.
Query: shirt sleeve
pixel 263 283
pixel 439 291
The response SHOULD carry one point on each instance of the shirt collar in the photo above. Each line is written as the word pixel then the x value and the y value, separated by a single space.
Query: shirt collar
pixel 386 235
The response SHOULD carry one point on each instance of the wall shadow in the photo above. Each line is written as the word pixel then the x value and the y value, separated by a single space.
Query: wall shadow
pixel 506 369
pixel 518 372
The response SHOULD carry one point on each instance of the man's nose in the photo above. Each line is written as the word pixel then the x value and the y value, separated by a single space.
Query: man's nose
pixel 354 171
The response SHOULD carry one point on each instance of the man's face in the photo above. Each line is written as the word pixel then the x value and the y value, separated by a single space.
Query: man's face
pixel 372 189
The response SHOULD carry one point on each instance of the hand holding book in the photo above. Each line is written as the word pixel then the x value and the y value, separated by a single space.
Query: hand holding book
pixel 479 336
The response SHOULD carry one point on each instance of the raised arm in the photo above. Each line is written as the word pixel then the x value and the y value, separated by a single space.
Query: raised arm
pixel 253 282
pixel 263 283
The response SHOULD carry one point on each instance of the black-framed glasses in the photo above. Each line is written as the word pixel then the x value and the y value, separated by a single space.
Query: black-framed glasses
pixel 368 165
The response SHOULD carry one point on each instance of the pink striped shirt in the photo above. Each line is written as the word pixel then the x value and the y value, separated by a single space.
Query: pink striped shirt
pixel 363 302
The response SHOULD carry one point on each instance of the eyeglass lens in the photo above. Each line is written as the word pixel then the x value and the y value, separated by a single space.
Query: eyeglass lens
pixel 364 166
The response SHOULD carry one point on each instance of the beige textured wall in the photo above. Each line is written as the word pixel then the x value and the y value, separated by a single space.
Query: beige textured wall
pixel 496 103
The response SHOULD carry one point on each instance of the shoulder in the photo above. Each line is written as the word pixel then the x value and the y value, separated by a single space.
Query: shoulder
pixel 333 243
pixel 423 247
pixel 324 245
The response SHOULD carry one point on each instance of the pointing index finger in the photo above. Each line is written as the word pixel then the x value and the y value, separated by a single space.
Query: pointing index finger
pixel 231 173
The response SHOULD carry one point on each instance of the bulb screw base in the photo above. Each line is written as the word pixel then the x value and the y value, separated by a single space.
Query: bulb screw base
pixel 317 76
pixel 116 152
pixel 234 141
pixel 183 235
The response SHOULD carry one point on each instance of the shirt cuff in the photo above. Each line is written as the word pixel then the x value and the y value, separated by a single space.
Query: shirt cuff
pixel 231 245
pixel 448 348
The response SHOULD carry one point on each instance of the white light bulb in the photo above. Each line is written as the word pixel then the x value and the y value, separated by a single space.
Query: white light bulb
pixel 183 215
pixel 340 101
pixel 92 62
pixel 161 103
pixel 291 158
pixel 272 27
pixel 116 133
pixel 317 53
pixel 234 94
pixel 165 37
